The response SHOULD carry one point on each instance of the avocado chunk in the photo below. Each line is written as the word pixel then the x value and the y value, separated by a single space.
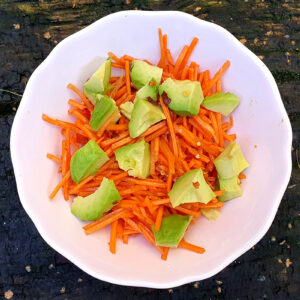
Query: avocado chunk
pixel 189 188
pixel 232 188
pixel 99 81
pixel 92 207
pixel 104 108
pixel 211 214
pixel 141 73
pixel 223 103
pixel 144 114
pixel 185 95
pixel 135 159
pixel 86 161
pixel 231 161
pixel 148 91
pixel 126 109
pixel 171 230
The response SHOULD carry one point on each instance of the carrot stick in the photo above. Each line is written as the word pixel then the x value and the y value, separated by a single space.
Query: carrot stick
pixel 189 51
pixel 109 142
pixel 114 57
pixel 106 123
pixel 216 77
pixel 161 201
pixel 127 75
pixel 184 73
pixel 152 158
pixel 61 183
pixel 191 247
pixel 164 255
pixel 219 122
pixel 170 125
pixel 113 237
pixel 59 123
pixel 158 219
pixel 84 99
pixel 219 193
pixel 154 128
pixel 156 134
pixel 54 158
pixel 161 43
pixel 80 116
pixel 242 176
pixel 76 104
pixel 180 60
pixel 169 57
pixel 122 142
pixel 106 220
pixel 188 211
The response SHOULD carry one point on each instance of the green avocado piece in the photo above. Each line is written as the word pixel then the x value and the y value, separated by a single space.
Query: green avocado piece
pixel 171 230
pixel 147 91
pixel 135 159
pixel 92 207
pixel 99 81
pixel 189 188
pixel 144 114
pixel 211 213
pixel 223 103
pixel 103 109
pixel 232 188
pixel 141 73
pixel 185 95
pixel 126 109
pixel 86 161
pixel 231 161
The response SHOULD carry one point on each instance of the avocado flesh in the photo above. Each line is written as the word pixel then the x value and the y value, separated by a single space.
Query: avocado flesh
pixel 103 109
pixel 146 92
pixel 135 159
pixel 99 82
pixel 86 161
pixel 126 109
pixel 171 230
pixel 92 207
pixel 185 189
pixel 185 95
pixel 231 187
pixel 144 114
pixel 231 161
pixel 211 214
pixel 223 103
pixel 141 73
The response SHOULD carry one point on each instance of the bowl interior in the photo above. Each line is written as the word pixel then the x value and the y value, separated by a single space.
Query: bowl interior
pixel 261 125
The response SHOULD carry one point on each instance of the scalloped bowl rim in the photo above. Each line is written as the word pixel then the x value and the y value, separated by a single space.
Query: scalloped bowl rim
pixel 186 279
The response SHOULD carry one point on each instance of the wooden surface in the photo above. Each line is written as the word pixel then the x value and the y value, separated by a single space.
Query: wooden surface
pixel 30 269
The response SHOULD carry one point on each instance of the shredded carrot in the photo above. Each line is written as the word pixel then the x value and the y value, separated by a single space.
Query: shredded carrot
pixel 170 125
pixel 60 185
pixel 180 60
pixel 113 237
pixel 127 75
pixel 84 99
pixel 191 247
pixel 242 176
pixel 189 51
pixel 54 158
pixel 164 255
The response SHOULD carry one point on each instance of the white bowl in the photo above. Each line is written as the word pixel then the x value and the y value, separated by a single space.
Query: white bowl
pixel 259 120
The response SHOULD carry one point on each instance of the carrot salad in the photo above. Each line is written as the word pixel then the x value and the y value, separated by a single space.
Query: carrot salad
pixel 178 144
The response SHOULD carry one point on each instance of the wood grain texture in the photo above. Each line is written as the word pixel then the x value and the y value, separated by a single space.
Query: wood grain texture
pixel 29 268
